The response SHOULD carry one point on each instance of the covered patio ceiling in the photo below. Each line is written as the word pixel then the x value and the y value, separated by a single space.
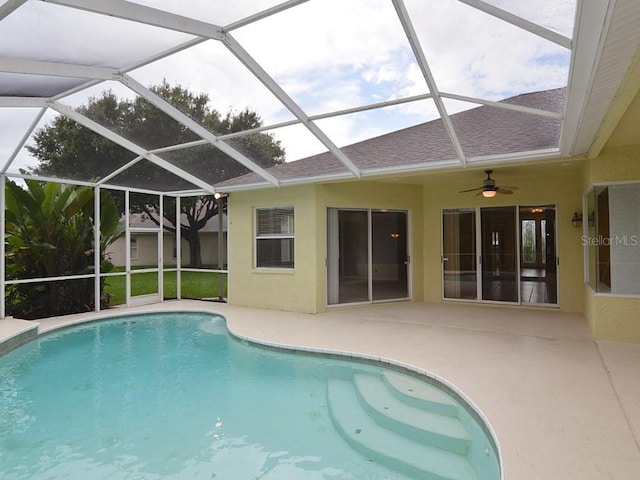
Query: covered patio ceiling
pixel 322 74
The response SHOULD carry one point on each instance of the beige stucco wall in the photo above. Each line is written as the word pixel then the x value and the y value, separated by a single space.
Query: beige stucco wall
pixel 614 317
pixel 304 288
pixel 278 289
pixel 617 164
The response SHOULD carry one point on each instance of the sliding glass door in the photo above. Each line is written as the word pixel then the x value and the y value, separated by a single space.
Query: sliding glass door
pixel 517 258
pixel 367 256
pixel 460 275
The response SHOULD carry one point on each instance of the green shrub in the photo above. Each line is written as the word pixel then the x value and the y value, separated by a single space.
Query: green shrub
pixel 49 233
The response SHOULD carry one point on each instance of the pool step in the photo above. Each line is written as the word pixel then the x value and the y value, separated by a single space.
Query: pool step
pixel 401 452
pixel 420 394
pixel 425 426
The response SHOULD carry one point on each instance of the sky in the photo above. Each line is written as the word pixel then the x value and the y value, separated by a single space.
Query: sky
pixel 327 55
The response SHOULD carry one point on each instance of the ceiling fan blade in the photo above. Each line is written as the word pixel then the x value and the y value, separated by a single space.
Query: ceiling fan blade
pixel 471 190
pixel 504 190
pixel 510 187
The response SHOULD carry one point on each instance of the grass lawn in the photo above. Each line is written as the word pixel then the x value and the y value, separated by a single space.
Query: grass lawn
pixel 194 285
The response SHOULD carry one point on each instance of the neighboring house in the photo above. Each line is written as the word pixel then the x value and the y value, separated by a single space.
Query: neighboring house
pixel 144 243
pixel 325 238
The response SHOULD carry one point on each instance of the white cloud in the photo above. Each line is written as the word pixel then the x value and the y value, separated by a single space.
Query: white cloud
pixel 557 15
pixel 474 54
pixel 210 68
pixel 14 123
pixel 320 33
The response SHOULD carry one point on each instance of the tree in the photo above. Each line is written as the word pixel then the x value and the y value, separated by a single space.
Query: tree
pixel 195 213
pixel 49 233
pixel 68 150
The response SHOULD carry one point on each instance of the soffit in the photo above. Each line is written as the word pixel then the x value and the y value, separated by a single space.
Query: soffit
pixel 618 46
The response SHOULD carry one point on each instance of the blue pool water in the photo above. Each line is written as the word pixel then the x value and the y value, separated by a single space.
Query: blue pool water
pixel 173 396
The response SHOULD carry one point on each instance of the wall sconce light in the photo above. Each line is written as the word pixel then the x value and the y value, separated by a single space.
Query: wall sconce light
pixel 576 220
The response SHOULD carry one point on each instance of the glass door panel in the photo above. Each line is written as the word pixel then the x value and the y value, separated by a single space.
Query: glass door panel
pixel 538 276
pixel 460 275
pixel 528 242
pixel 348 256
pixel 499 254
pixel 389 255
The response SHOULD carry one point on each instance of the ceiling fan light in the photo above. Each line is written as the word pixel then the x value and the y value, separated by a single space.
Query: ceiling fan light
pixel 488 193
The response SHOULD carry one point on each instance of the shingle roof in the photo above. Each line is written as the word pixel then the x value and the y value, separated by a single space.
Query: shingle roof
pixel 482 131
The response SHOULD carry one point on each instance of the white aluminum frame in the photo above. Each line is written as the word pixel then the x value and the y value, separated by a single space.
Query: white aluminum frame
pixel 585 45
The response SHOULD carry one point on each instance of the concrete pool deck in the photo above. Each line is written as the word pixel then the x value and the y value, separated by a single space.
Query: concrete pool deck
pixel 562 405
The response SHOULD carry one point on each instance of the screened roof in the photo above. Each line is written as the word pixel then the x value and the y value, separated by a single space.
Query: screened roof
pixel 451 81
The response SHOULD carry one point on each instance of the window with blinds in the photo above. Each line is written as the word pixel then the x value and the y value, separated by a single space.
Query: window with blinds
pixel 275 235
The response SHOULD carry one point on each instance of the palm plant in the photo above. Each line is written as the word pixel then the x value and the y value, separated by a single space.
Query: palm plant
pixel 49 233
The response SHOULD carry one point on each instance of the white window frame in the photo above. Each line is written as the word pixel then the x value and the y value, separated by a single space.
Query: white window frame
pixel 270 236
pixel 621 240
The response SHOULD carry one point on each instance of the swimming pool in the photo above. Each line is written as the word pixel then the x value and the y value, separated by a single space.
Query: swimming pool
pixel 174 396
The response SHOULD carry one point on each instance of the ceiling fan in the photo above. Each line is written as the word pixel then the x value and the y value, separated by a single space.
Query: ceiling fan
pixel 489 188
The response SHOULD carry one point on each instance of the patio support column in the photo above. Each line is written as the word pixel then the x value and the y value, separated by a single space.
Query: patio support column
pixel 127 251
pixel 160 259
pixel 178 250
pixel 96 248
pixel 220 200
pixel 3 270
